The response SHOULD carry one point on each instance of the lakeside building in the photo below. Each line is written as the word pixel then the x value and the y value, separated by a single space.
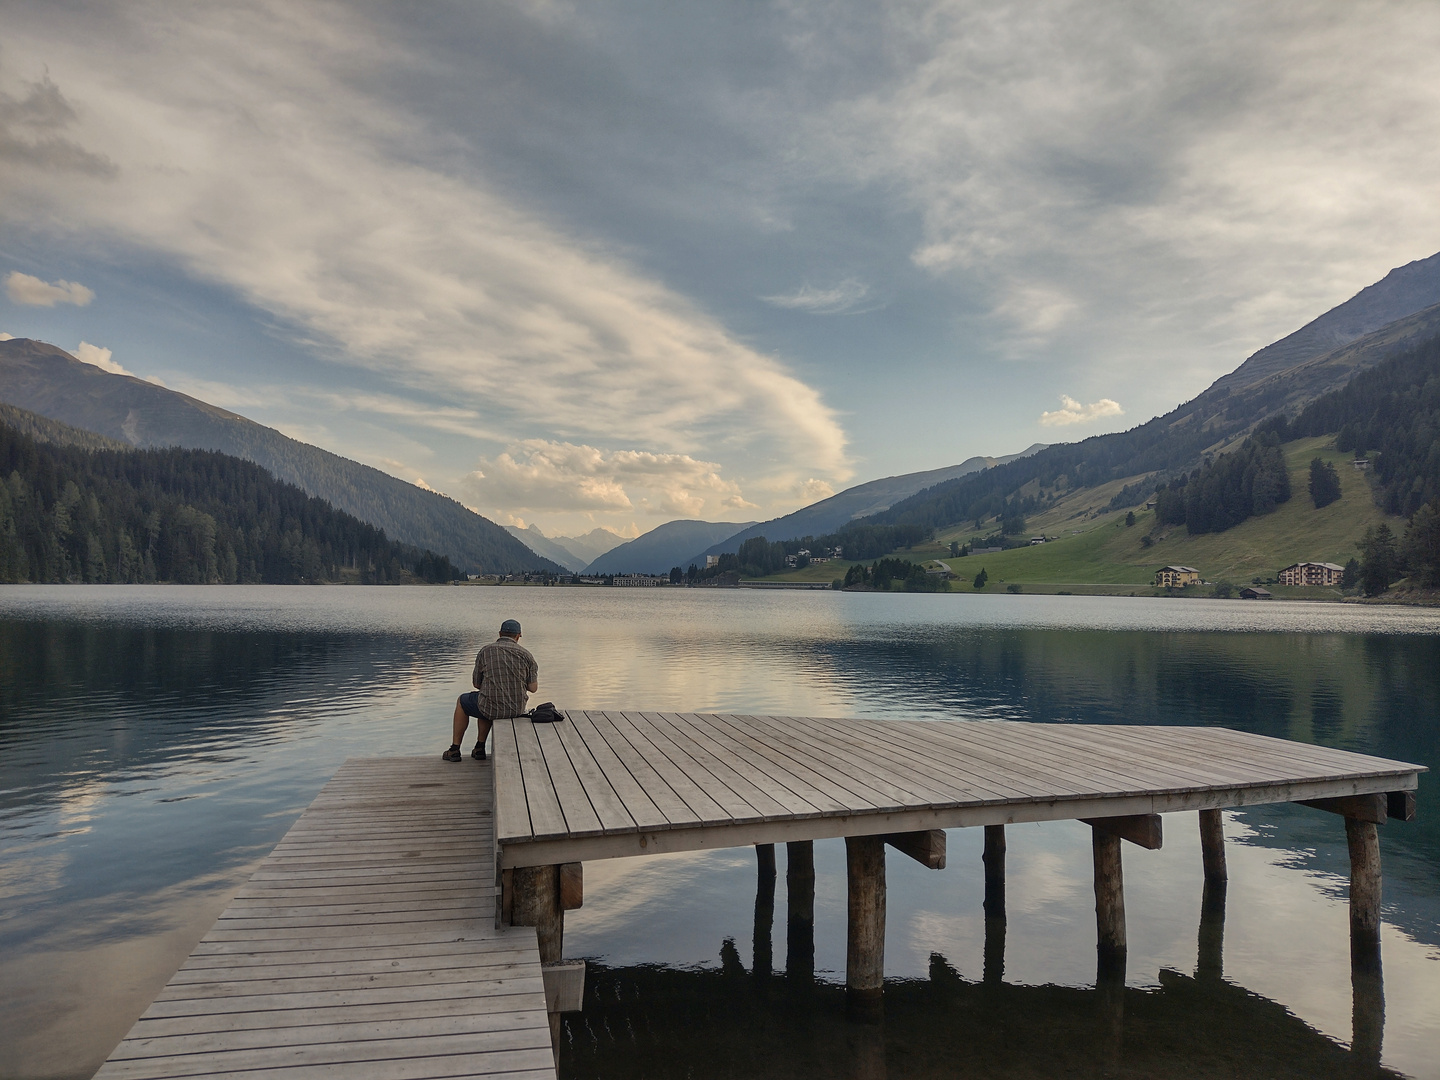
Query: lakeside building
pixel 1311 573
pixel 1255 592
pixel 1177 577
pixel 639 580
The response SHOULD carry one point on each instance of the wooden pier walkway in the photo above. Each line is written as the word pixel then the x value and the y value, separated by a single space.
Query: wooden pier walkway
pixel 364 946
pixel 376 940
pixel 608 784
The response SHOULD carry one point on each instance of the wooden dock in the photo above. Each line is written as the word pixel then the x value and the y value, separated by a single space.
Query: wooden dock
pixel 607 784
pixel 365 946
pixel 388 934
pixel 610 784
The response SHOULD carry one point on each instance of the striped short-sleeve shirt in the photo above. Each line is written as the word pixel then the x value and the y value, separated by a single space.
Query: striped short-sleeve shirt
pixel 503 670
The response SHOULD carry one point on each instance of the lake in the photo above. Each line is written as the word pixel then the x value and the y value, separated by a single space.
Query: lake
pixel 155 743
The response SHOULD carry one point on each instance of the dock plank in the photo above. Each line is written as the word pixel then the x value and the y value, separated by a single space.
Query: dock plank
pixel 363 946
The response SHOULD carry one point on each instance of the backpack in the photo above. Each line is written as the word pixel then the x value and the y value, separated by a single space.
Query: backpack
pixel 545 714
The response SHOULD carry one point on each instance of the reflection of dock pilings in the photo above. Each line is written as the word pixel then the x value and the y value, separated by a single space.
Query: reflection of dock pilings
pixel 994 859
pixel 763 948
pixel 800 911
pixel 656 1021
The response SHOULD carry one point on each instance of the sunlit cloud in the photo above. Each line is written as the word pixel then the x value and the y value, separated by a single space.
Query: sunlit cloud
pixel 1073 412
pixel 27 289
pixel 538 475
pixel 99 357
pixel 246 151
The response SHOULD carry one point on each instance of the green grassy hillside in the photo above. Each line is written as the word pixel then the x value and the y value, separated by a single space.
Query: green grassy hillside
pixel 1095 548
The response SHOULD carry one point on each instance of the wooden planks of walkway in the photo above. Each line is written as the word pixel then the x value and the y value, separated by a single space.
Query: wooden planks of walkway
pixel 608 784
pixel 364 947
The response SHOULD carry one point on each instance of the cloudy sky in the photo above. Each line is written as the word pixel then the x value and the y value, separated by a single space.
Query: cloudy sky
pixel 598 263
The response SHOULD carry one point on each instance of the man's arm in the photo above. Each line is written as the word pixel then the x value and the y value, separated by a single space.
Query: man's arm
pixel 478 675
pixel 534 683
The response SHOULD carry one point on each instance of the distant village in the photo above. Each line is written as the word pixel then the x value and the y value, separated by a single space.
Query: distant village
pixel 1300 573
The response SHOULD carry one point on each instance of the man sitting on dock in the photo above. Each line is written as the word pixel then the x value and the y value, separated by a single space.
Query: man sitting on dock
pixel 505 675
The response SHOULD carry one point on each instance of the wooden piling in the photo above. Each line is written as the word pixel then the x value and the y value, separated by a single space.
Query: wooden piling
pixel 865 928
pixel 1364 841
pixel 762 946
pixel 1109 902
pixel 537 904
pixel 800 910
pixel 1212 845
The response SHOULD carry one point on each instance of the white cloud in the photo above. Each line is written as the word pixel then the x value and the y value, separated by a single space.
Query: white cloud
pixel 1072 412
pixel 100 357
pixel 247 148
pixel 26 289
pixel 813 490
pixel 842 298
pixel 6 337
pixel 1208 176
pixel 538 475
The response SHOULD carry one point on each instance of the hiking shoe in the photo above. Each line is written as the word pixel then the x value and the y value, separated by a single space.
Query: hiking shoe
pixel 453 754
pixel 479 752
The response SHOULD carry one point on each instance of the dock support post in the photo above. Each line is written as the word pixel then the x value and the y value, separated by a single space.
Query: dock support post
pixel 994 859
pixel 1212 845
pixel 1109 904
pixel 1366 978
pixel 1364 841
pixel 800 910
pixel 865 928
pixel 762 947
pixel 536 903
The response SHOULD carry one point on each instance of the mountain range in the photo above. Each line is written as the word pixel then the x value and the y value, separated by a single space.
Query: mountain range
pixel 1380 321
pixel 1400 310
pixel 662 548
pixel 852 504
pixel 51 382
pixel 574 553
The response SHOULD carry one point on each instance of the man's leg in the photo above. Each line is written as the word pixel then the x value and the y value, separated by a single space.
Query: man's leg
pixel 462 721
pixel 482 732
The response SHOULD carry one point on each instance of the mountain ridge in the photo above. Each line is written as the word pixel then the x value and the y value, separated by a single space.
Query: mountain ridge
pixel 44 379
pixel 1182 438
pixel 658 550
pixel 853 504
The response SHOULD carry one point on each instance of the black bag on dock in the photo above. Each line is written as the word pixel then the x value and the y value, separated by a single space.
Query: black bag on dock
pixel 545 714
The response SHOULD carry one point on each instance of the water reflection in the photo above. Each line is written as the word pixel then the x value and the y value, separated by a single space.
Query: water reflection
pixel 653 1021
pixel 156 742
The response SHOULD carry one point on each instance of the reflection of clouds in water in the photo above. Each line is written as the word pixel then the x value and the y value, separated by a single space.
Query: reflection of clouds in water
pixel 332 673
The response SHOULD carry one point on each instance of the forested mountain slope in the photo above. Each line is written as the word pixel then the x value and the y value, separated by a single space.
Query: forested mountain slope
pixel 832 514
pixel 51 382
pixel 1181 439
pixel 1394 409
pixel 71 514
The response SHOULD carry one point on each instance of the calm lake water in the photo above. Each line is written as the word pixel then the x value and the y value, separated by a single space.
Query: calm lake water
pixel 155 742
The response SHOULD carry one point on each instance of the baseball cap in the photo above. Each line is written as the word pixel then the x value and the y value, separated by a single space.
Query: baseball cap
pixel 510 626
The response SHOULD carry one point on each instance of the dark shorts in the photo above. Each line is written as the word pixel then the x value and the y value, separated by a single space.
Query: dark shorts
pixel 471 704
